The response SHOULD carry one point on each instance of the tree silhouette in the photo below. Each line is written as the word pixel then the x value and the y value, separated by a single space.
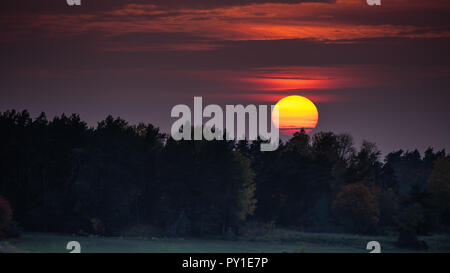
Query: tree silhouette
pixel 61 175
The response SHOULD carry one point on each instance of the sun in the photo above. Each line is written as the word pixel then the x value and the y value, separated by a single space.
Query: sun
pixel 293 113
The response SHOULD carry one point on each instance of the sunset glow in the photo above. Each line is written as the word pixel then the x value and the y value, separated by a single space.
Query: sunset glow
pixel 293 113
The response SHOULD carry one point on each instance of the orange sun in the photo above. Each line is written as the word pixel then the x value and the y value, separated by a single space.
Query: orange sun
pixel 293 113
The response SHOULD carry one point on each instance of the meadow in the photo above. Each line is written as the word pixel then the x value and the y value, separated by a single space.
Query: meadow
pixel 289 242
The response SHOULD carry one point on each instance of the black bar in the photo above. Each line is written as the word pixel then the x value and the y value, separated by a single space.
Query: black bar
pixel 246 262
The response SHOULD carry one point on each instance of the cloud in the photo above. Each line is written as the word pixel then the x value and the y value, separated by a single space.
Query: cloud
pixel 93 6
pixel 157 25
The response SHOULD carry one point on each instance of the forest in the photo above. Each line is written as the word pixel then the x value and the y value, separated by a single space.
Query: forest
pixel 61 175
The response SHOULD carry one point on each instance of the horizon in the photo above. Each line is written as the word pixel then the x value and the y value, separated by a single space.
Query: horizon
pixel 283 137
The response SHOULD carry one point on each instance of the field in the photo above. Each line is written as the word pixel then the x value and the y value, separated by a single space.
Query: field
pixel 291 242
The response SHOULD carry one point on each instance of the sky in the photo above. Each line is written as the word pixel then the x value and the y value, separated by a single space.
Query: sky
pixel 380 73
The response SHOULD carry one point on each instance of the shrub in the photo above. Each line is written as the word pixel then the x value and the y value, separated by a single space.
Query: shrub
pixel 410 219
pixel 8 228
pixel 407 238
pixel 98 228
pixel 356 207
pixel 439 188
pixel 5 211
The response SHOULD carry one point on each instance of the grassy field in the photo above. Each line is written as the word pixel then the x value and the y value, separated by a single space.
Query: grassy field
pixel 286 242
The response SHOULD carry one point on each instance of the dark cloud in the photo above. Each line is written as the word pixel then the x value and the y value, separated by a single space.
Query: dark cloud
pixel 395 16
pixel 85 52
pixel 206 4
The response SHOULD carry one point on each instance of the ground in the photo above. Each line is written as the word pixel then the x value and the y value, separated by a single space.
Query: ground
pixel 291 243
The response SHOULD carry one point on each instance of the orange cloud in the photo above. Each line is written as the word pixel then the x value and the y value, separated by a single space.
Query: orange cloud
pixel 343 20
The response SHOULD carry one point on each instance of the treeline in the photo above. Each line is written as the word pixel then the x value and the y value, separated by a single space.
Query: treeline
pixel 60 175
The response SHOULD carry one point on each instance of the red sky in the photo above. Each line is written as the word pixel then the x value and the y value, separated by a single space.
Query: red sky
pixel 381 73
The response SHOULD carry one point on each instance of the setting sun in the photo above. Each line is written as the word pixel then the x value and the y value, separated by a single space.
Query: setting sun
pixel 293 113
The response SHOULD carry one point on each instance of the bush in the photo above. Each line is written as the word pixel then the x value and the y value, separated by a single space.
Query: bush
pixel 8 228
pixel 410 219
pixel 356 207
pixel 97 226
pixel 407 238
pixel 439 188
pixel 5 211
